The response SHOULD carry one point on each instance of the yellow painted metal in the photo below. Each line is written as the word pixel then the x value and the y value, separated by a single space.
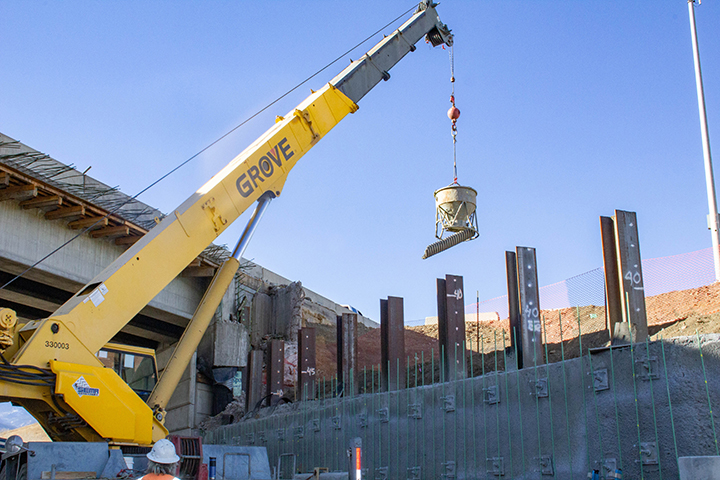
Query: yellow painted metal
pixel 116 414
pixel 103 400
pixel 190 340
pixel 8 320
pixel 52 340
pixel 132 280
pixel 69 339
pixel 119 347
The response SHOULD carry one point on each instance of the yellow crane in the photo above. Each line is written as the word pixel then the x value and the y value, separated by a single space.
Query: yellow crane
pixel 52 366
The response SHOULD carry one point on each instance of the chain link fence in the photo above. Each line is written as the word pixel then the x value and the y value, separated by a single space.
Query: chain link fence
pixel 573 321
pixel 573 311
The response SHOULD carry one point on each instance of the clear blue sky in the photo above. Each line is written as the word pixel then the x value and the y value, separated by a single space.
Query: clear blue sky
pixel 570 109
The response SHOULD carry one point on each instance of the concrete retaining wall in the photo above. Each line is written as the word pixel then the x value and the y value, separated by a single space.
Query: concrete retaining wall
pixel 604 411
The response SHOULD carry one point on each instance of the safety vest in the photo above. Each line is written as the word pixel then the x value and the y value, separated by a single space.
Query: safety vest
pixel 155 476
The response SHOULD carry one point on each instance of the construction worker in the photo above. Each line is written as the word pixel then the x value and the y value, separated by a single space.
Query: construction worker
pixel 162 462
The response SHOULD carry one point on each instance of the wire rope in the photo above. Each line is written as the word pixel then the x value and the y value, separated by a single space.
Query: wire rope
pixel 178 167
pixel 453 118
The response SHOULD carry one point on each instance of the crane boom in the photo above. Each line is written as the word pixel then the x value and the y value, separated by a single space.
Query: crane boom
pixel 263 166
pixel 104 306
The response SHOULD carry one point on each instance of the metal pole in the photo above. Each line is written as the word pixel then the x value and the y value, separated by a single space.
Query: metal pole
pixel 188 344
pixel 247 234
pixel 709 180
pixel 477 320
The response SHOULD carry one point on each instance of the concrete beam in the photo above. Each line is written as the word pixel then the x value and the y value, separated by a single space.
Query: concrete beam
pixel 18 192
pixel 260 318
pixel 120 230
pixel 157 326
pixel 129 240
pixel 94 222
pixel 52 201
pixel 66 212
pixel 158 337
pixel 16 297
pixel 38 275
pixel 199 272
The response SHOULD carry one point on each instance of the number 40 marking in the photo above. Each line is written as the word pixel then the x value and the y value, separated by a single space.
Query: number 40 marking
pixel 634 278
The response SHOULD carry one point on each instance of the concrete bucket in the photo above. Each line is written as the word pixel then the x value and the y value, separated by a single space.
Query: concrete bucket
pixel 455 209
pixel 455 213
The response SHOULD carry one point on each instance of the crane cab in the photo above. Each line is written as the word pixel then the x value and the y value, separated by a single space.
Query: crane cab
pixel 135 365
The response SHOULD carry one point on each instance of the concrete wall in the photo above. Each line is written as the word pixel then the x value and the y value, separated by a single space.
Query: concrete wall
pixel 316 308
pixel 191 403
pixel 609 410
pixel 26 237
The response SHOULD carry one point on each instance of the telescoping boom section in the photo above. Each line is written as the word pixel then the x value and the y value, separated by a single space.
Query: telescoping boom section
pixel 52 367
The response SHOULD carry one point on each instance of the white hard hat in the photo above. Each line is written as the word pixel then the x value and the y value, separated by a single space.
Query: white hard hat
pixel 163 452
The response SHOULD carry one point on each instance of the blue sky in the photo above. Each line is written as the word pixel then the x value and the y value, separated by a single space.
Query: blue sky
pixel 570 109
pixel 13 417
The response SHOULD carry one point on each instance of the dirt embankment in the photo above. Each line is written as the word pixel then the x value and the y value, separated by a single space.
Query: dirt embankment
pixel 567 331
pixel 29 433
